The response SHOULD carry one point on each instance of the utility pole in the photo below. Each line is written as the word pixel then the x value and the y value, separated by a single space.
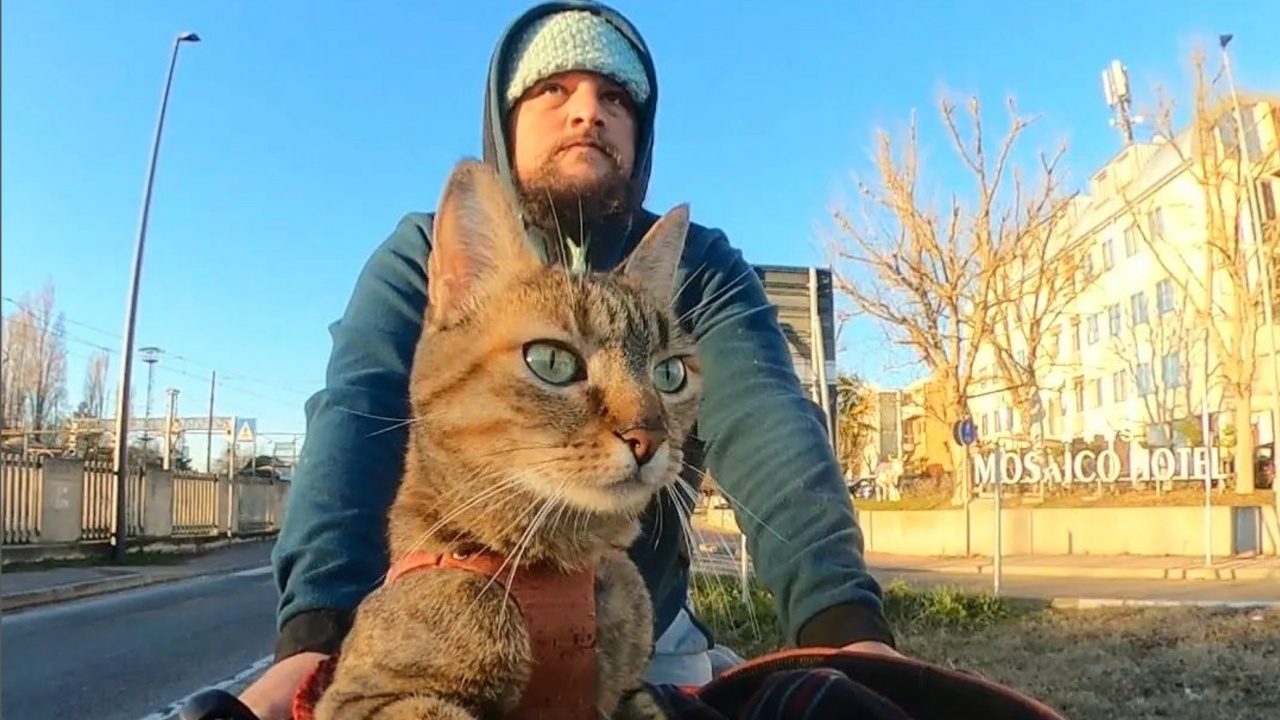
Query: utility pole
pixel 170 415
pixel 208 450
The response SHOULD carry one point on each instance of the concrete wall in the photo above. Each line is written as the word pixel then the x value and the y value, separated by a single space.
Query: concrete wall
pixel 1153 531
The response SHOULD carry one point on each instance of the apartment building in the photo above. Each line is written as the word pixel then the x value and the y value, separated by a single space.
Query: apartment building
pixel 1128 353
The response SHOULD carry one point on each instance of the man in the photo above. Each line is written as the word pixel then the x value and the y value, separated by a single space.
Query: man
pixel 569 117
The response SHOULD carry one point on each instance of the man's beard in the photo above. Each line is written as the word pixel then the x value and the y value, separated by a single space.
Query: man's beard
pixel 581 210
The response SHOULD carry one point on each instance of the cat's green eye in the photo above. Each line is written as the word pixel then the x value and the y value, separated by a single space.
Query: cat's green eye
pixel 553 362
pixel 669 375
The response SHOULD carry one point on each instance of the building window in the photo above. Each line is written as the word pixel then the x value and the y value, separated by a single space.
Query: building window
pixel 1269 198
pixel 1079 393
pixel 1075 334
pixel 986 425
pixel 1229 133
pixel 1093 329
pixel 1164 296
pixel 1171 370
pixel 1119 386
pixel 1108 254
pixel 1138 308
pixel 999 420
pixel 1097 392
pixel 1132 240
pixel 1113 319
pixel 1156 229
pixel 1146 386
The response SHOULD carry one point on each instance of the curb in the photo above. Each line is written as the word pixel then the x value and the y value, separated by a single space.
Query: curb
pixel 106 586
pixel 1066 603
pixel 84 589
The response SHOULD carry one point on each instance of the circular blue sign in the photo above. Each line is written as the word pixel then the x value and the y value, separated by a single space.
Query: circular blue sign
pixel 965 432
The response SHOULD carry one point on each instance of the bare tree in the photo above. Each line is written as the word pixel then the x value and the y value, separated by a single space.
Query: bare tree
pixel 1218 271
pixel 856 406
pixel 1039 281
pixel 35 364
pixel 932 276
pixel 1156 350
pixel 94 401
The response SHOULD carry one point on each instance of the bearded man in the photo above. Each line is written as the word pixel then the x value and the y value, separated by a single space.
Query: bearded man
pixel 570 102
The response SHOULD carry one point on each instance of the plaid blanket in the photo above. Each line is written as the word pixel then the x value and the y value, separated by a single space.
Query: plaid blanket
pixel 790 685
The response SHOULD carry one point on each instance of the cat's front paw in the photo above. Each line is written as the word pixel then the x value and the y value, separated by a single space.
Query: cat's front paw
pixel 640 705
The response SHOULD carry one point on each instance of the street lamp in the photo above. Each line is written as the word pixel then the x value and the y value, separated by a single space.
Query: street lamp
pixel 130 315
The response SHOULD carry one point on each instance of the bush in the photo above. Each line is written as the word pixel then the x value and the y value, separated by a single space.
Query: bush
pixel 753 628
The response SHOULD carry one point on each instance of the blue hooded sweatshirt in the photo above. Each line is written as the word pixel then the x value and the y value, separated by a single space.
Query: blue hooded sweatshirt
pixel 759 434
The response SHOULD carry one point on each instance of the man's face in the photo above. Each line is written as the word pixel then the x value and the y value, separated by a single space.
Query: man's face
pixel 573 133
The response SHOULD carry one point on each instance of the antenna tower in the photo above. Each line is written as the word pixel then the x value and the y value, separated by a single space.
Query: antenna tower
pixel 150 356
pixel 1115 87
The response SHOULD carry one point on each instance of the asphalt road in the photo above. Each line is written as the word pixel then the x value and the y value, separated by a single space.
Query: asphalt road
pixel 132 655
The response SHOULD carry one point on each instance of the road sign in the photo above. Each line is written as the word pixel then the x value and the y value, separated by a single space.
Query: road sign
pixel 965 432
pixel 246 429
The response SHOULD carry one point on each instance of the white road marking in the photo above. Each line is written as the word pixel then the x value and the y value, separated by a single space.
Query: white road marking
pixel 172 709
pixel 253 572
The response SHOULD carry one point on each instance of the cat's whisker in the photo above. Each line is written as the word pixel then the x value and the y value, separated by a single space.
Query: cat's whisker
pixel 397 426
pixel 675 297
pixel 519 448
pixel 740 506
pixel 484 495
pixel 348 410
pixel 717 296
pixel 547 506
pixel 524 512
pixel 397 422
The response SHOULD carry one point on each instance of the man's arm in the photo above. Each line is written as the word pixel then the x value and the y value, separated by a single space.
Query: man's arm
pixel 332 549
pixel 767 447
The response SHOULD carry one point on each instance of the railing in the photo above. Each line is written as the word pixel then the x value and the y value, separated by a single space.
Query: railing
pixel 49 501
pixel 22 498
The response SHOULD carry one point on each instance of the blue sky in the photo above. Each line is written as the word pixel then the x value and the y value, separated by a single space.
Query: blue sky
pixel 299 133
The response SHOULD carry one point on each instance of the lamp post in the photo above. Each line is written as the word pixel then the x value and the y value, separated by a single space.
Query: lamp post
pixel 131 308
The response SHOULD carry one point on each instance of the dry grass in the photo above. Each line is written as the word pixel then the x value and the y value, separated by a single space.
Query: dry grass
pixel 1123 664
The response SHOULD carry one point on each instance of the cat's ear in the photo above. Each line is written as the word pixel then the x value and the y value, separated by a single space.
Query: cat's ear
pixel 477 235
pixel 654 262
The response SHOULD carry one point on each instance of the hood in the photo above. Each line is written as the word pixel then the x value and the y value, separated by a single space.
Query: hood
pixel 495 140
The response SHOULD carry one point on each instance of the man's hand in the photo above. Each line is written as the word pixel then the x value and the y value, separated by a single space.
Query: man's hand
pixel 271 696
pixel 873 647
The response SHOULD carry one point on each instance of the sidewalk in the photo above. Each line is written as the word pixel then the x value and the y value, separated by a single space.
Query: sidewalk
pixel 1121 567
pixel 1115 567
pixel 28 588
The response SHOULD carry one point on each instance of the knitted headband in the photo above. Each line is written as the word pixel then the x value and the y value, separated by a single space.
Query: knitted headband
pixel 574 40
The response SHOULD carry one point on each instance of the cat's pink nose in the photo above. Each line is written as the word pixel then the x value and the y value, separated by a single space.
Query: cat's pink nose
pixel 643 443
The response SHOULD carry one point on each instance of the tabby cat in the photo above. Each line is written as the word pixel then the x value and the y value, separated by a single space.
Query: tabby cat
pixel 550 407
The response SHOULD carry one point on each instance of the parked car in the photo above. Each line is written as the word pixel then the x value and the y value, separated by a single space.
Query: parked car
pixel 1264 466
